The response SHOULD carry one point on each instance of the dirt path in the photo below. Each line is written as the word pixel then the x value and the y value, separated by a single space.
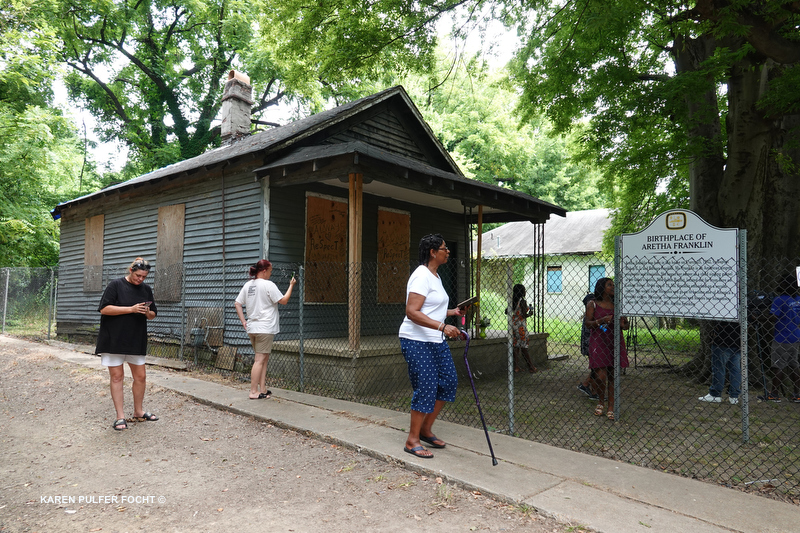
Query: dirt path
pixel 199 469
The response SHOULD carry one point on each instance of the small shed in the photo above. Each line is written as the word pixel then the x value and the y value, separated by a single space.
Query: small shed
pixel 345 194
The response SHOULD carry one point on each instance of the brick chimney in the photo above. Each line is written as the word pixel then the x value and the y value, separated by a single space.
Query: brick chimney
pixel 237 98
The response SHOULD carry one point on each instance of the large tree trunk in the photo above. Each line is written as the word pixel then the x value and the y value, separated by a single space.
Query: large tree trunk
pixel 703 127
pixel 756 186
pixel 760 191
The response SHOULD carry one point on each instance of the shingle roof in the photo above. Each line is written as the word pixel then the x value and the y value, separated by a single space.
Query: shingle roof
pixel 580 232
pixel 283 135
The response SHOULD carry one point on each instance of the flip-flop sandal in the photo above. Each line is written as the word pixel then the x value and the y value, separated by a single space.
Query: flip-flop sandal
pixel 598 411
pixel 415 452
pixel 146 417
pixel 120 422
pixel 610 415
pixel 431 441
pixel 265 395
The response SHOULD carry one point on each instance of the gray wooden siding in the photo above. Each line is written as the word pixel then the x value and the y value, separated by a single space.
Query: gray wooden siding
pixel 383 131
pixel 131 230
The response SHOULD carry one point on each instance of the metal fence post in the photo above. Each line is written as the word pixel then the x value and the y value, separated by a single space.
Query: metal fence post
pixel 51 305
pixel 510 355
pixel 617 326
pixel 743 352
pixel 5 298
pixel 300 307
pixel 183 309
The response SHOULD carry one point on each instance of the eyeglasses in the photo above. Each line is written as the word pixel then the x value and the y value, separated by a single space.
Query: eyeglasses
pixel 141 266
pixel 444 249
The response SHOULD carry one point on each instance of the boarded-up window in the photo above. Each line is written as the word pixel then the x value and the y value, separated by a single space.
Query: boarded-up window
pixel 394 237
pixel 169 253
pixel 93 254
pixel 326 250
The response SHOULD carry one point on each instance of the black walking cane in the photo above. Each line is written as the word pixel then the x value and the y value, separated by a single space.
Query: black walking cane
pixel 477 401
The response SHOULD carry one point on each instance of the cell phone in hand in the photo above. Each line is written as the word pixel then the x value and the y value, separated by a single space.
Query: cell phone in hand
pixel 147 303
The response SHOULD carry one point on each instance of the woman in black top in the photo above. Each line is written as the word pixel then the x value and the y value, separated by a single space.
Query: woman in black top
pixel 126 306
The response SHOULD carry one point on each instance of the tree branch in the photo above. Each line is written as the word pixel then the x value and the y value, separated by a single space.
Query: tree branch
pixel 118 107
pixel 653 77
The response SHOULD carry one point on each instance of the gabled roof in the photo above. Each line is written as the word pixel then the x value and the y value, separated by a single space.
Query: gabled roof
pixel 307 141
pixel 580 232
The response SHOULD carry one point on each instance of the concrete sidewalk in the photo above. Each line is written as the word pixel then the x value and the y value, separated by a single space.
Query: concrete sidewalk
pixel 601 494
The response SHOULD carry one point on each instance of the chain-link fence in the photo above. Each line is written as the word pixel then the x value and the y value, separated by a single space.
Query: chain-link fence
pixel 339 339
pixel 27 296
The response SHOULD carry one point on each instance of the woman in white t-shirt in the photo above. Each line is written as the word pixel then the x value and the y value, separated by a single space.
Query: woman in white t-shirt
pixel 261 297
pixel 422 341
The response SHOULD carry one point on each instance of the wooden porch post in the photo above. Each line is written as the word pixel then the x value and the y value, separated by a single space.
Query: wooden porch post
pixel 355 218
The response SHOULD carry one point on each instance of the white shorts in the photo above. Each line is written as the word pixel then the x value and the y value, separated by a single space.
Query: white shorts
pixel 116 359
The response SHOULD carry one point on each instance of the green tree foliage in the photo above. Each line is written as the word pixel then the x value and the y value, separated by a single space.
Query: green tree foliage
pixel 473 114
pixel 345 40
pixel 330 48
pixel 163 63
pixel 689 106
pixel 41 159
pixel 152 72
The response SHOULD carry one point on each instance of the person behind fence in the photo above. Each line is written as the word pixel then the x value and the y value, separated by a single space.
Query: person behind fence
pixel 585 386
pixel 422 341
pixel 125 307
pixel 785 309
pixel 725 357
pixel 600 320
pixel 261 297
pixel 519 328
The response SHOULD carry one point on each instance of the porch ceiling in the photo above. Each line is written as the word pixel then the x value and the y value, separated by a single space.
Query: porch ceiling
pixel 394 176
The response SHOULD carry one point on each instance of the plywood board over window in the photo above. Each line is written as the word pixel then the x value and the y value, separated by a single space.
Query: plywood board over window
pixel 394 237
pixel 93 254
pixel 326 250
pixel 169 253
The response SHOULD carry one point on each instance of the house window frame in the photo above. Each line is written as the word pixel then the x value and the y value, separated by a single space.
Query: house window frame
pixel 555 269
pixel 592 278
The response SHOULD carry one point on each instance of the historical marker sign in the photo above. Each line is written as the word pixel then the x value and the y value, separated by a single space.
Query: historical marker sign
pixel 680 266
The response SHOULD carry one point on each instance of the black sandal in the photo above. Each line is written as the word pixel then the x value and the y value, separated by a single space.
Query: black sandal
pixel 120 424
pixel 432 441
pixel 146 417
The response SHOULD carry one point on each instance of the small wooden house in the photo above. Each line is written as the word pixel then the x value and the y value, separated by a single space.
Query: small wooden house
pixel 345 194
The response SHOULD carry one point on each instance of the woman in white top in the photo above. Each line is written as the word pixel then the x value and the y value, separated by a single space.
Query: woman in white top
pixel 261 297
pixel 422 341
